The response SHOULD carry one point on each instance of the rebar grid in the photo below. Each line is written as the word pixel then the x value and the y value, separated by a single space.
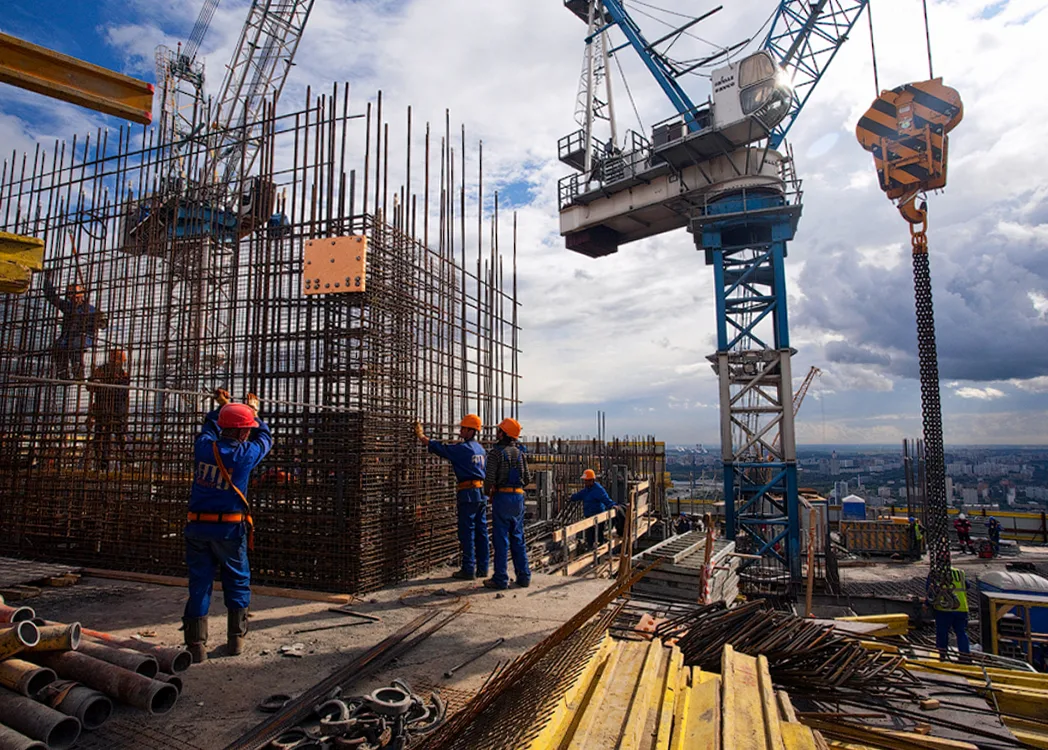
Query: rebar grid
pixel 203 295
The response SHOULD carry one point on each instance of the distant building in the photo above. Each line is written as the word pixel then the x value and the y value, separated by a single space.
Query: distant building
pixel 970 495
pixel 885 492
pixel 949 489
pixel 835 466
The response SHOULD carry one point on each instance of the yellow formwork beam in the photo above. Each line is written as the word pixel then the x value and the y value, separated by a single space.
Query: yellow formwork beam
pixel 742 702
pixel 894 624
pixel 702 722
pixel 674 674
pixel 633 736
pixel 53 74
pixel 19 258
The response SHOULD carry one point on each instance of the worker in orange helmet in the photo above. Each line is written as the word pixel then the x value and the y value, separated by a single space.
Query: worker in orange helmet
pixel 108 410
pixel 467 460
pixel 595 499
pixel 505 478
pixel 232 442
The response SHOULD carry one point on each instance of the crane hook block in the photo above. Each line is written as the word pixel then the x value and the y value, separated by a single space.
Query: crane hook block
pixel 905 130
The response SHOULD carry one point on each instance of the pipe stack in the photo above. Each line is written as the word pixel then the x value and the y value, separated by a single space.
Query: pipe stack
pixel 57 679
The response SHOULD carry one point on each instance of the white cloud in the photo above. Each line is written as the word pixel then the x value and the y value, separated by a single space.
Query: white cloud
pixel 983 394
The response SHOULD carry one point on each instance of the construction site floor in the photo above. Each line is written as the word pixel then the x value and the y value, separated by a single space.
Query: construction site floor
pixel 887 572
pixel 220 697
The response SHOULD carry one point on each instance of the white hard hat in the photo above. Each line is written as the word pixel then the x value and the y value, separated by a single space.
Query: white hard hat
pixel 961 516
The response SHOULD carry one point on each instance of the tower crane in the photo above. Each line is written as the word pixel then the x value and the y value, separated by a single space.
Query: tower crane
pixel 196 218
pixel 718 169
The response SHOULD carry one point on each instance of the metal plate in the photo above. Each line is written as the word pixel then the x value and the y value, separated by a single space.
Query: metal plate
pixel 335 265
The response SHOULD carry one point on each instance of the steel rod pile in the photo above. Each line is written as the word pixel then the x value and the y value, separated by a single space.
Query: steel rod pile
pixel 800 652
pixel 55 682
pixel 200 295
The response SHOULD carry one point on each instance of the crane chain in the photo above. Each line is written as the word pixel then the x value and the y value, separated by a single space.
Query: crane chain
pixel 931 413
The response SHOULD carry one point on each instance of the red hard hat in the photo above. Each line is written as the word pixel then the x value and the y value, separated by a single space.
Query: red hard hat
pixel 471 422
pixel 511 427
pixel 589 474
pixel 236 416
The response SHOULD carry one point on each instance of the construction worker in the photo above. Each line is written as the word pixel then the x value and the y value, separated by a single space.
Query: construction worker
pixel 949 617
pixel 80 324
pixel 109 406
pixel 963 527
pixel 917 536
pixel 467 460
pixel 232 441
pixel 595 499
pixel 993 530
pixel 506 475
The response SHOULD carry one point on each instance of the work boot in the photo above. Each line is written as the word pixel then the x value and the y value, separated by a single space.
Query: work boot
pixel 236 629
pixel 462 575
pixel 195 633
pixel 491 583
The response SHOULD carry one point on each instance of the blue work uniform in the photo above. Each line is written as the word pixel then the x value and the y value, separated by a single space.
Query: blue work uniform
pixel 993 530
pixel 955 619
pixel 221 544
pixel 595 500
pixel 80 323
pixel 467 460
pixel 506 476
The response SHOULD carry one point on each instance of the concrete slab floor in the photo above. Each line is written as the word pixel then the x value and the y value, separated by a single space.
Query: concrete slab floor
pixel 882 570
pixel 220 697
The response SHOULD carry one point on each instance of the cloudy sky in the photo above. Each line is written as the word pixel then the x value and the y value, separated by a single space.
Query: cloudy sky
pixel 629 334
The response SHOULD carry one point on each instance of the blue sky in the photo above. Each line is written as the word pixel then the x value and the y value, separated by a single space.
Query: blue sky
pixel 629 334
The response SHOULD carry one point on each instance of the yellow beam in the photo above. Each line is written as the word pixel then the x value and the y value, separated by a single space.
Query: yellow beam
pixel 742 702
pixel 674 673
pixel 19 258
pixel 702 723
pixel 633 736
pixel 53 74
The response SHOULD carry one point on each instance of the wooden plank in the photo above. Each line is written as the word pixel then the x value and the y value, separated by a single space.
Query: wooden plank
pixel 704 718
pixel 681 703
pixel 633 736
pixel 304 594
pixel 742 703
pixel 606 714
pixel 669 698
pixel 786 707
pixel 770 707
pixel 559 535
pixel 798 737
pixel 573 703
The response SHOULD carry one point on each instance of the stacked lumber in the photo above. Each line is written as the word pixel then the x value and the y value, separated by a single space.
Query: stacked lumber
pixel 679 576
pixel 57 679
pixel 636 694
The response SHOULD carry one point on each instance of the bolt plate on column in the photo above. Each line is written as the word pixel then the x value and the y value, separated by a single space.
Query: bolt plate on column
pixel 335 265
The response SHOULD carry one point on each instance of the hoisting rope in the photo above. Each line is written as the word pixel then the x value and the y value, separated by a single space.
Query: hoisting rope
pixel 873 49
pixel 927 38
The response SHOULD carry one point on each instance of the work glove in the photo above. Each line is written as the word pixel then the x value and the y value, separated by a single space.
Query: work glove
pixel 221 396
pixel 252 400
pixel 419 433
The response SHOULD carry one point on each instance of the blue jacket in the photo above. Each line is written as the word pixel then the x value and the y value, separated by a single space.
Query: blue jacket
pixel 210 493
pixel 80 323
pixel 594 499
pixel 468 462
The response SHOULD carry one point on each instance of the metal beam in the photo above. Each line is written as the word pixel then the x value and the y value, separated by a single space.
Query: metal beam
pixel 59 76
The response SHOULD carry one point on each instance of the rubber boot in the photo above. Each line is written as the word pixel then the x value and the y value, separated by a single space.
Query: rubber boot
pixel 236 620
pixel 195 631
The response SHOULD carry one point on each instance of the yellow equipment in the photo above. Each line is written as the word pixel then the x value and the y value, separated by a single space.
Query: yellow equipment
pixel 19 257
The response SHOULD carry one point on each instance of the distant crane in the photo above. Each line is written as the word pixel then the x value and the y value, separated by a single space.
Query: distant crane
pixel 714 169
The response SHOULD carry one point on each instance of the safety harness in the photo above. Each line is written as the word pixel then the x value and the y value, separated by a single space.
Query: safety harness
pixel 229 517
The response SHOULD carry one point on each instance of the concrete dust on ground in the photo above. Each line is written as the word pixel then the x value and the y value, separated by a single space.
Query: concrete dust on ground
pixel 220 698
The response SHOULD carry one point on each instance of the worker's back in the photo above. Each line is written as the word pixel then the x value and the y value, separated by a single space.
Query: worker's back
pixel 211 493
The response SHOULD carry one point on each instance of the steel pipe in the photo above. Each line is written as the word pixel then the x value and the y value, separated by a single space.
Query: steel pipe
pixel 12 740
pixel 25 678
pixel 18 637
pixel 170 679
pixel 136 661
pixel 171 659
pixel 58 638
pixel 91 707
pixel 116 682
pixel 15 614
pixel 35 720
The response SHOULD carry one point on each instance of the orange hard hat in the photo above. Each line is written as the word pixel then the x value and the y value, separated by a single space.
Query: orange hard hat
pixel 117 355
pixel 236 416
pixel 589 474
pixel 472 422
pixel 511 427
pixel 72 289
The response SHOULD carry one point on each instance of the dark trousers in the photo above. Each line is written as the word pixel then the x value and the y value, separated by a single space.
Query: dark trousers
pixel 110 435
pixel 956 621
pixel 473 537
pixel 203 556
pixel 69 363
pixel 507 514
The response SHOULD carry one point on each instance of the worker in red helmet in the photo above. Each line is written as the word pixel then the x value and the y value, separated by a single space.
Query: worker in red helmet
pixel 594 499
pixel 232 442
pixel 108 410
pixel 505 478
pixel 467 459
pixel 80 324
